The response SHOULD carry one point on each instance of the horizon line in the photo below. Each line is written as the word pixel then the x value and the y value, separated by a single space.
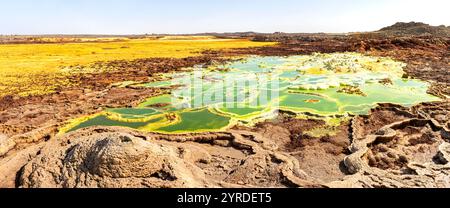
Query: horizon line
pixel 203 33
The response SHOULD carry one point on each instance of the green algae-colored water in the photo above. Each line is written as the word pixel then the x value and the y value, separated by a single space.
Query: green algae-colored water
pixel 214 98
pixel 190 122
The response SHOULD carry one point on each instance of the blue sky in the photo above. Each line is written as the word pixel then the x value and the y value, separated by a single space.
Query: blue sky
pixel 194 16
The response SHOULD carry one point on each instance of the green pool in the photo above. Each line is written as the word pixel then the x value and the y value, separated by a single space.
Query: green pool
pixel 255 88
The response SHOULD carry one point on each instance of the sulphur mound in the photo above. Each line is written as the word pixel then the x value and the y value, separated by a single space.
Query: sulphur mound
pixel 110 160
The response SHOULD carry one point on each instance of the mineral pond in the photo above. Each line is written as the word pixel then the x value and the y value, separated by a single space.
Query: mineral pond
pixel 253 89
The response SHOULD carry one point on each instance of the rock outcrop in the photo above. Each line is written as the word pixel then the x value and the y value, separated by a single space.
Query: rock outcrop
pixel 111 160
pixel 116 157
pixel 413 152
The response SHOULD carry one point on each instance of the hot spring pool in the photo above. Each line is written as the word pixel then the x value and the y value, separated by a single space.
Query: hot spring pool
pixel 216 97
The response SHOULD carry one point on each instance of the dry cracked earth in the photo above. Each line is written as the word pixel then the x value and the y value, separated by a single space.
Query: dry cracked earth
pixel 392 147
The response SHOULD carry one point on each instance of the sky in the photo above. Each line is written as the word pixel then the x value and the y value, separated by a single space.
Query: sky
pixel 195 16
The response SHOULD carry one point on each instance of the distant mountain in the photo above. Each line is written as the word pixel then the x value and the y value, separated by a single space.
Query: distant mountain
pixel 416 29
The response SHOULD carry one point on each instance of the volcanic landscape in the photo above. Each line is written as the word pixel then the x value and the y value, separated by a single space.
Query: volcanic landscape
pixel 355 110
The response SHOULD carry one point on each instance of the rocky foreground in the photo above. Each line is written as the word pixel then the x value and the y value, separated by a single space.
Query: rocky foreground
pixel 401 147
pixel 394 146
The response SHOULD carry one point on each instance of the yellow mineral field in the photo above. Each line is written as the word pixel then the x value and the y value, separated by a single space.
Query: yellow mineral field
pixel 37 69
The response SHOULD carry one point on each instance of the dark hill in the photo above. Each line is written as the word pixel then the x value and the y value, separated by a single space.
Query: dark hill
pixel 416 29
